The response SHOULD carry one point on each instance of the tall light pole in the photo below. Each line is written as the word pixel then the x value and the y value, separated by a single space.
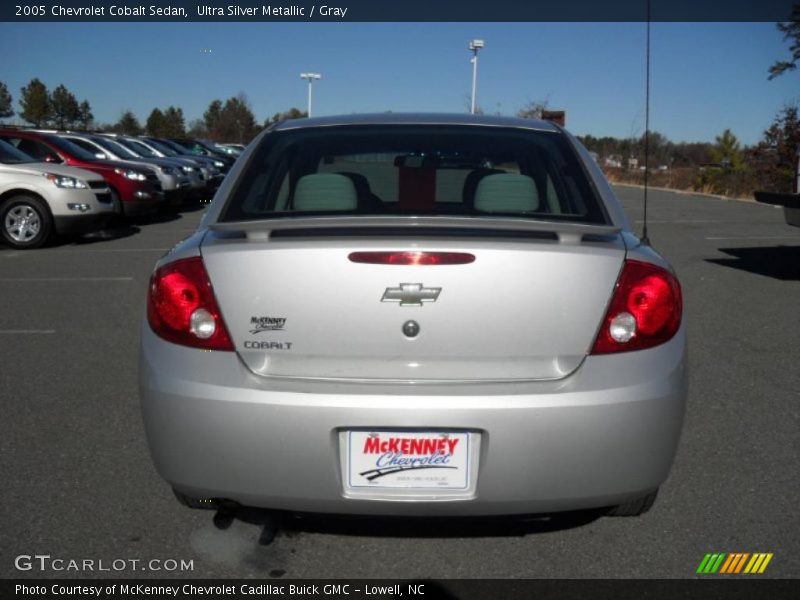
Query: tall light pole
pixel 310 77
pixel 474 46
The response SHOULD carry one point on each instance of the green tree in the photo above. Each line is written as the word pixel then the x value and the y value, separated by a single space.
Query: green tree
pixel 728 151
pixel 733 179
pixel 791 33
pixel 292 113
pixel 66 110
pixel 231 122
pixel 35 103
pixel 197 129
pixel 128 124
pixel 85 116
pixel 6 109
pixel 174 123
pixel 155 123
pixel 212 116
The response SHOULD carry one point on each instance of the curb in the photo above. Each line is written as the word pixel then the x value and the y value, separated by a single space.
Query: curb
pixel 686 192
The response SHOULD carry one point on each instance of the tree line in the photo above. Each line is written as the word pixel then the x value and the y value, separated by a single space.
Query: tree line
pixel 724 166
pixel 231 120
pixel 42 108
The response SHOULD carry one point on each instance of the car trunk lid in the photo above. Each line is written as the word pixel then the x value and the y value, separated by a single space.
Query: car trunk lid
pixel 527 308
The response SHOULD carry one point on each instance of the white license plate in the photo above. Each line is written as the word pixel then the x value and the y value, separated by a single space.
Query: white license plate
pixel 408 460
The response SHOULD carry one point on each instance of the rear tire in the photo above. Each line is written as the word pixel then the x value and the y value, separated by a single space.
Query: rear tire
pixel 25 222
pixel 634 508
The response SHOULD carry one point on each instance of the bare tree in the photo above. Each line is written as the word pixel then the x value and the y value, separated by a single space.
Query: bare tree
pixel 791 32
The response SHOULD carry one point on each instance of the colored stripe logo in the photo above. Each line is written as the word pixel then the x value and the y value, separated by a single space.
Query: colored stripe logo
pixel 734 563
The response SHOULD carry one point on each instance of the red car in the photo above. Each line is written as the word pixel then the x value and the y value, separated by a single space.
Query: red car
pixel 135 189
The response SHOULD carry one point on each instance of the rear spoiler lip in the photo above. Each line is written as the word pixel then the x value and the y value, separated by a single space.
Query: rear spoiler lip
pixel 567 232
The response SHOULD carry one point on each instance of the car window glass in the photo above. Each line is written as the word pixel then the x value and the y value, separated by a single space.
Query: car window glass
pixel 88 146
pixel 11 156
pixel 453 170
pixel 35 149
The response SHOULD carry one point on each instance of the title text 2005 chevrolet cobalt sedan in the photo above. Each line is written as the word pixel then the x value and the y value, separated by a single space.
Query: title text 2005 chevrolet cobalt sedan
pixel 414 315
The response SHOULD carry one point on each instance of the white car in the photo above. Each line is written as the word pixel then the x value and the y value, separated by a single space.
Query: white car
pixel 38 199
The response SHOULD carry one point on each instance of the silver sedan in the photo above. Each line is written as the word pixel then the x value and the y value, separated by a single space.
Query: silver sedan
pixel 414 315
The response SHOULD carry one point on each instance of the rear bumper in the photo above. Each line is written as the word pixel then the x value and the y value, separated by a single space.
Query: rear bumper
pixel 604 435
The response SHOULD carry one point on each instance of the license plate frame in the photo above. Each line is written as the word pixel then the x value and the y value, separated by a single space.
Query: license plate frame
pixel 385 463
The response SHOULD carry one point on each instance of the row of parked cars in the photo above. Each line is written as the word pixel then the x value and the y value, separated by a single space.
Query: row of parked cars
pixel 63 182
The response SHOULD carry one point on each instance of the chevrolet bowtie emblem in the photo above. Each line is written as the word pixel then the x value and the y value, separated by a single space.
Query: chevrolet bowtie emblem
pixel 411 294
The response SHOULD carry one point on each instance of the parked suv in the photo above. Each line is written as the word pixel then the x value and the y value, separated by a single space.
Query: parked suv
pixel 39 199
pixel 173 180
pixel 135 189
pixel 201 148
pixel 211 167
pixel 195 182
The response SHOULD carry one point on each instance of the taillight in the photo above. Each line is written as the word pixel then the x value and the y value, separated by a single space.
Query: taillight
pixel 181 307
pixel 412 258
pixel 645 310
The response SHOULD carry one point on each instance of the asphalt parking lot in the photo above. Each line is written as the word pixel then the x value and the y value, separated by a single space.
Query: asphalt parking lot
pixel 77 480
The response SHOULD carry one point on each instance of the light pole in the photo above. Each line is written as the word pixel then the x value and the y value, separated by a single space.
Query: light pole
pixel 474 46
pixel 310 77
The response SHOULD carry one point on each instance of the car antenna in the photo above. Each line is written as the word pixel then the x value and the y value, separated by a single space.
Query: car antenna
pixel 645 237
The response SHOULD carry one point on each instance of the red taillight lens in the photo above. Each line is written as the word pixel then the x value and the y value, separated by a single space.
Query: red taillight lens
pixel 412 258
pixel 645 310
pixel 181 307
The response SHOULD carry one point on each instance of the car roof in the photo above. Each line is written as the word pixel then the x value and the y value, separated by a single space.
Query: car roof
pixel 418 119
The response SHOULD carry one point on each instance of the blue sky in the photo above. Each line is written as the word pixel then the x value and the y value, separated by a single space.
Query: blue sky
pixel 705 76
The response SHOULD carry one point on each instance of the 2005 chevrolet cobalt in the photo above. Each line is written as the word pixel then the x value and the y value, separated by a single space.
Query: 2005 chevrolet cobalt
pixel 414 315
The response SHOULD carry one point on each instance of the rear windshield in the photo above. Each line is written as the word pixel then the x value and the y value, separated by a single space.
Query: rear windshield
pixel 419 170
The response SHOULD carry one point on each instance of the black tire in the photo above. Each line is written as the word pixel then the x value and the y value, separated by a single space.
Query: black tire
pixel 634 508
pixel 25 221
pixel 116 202
pixel 190 502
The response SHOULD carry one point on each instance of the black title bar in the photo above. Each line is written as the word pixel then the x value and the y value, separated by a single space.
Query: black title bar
pixel 712 588
pixel 394 10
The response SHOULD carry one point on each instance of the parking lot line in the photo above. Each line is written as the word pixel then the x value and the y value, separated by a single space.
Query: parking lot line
pixel 20 279
pixel 757 237
pixel 684 221
pixel 26 331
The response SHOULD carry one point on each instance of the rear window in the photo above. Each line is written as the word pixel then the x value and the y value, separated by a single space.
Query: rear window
pixel 414 170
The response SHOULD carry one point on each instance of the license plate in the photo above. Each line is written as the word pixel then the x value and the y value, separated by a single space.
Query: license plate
pixel 408 460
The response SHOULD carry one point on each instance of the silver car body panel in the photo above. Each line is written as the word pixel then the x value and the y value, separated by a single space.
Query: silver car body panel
pixel 603 435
